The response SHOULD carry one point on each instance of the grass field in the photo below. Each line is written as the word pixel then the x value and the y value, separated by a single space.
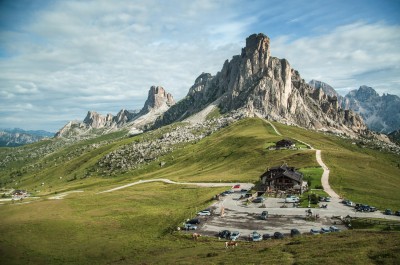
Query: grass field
pixel 135 225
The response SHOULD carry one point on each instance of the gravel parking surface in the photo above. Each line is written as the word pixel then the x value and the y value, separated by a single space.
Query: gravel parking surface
pixel 245 217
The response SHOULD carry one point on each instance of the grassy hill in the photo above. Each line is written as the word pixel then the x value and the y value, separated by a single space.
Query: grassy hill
pixel 135 225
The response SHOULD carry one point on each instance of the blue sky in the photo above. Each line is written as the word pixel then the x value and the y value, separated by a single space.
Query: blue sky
pixel 59 59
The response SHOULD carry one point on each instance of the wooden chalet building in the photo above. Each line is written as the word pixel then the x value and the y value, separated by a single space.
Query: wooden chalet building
pixel 282 178
pixel 285 143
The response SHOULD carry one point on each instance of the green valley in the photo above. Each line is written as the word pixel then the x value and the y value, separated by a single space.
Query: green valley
pixel 137 225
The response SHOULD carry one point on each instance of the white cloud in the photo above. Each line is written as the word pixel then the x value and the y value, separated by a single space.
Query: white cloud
pixel 348 57
pixel 75 56
pixel 104 56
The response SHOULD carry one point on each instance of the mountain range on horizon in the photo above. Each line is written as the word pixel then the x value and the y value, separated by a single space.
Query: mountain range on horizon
pixel 257 84
pixel 380 113
pixel 253 82
pixel 17 137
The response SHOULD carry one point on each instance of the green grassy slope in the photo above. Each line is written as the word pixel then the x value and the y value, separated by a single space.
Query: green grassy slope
pixel 134 225
pixel 361 174
pixel 236 153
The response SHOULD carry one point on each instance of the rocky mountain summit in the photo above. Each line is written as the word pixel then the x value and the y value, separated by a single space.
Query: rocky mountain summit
pixel 264 85
pixel 380 113
pixel 158 101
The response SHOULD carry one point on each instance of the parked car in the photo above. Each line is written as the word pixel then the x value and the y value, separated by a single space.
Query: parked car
pixel 193 221
pixel 325 230
pixel 224 234
pixel 349 203
pixel 278 235
pixel 314 231
pixel 266 236
pixel 345 201
pixel 264 215
pixel 237 186
pixel 294 232
pixel 388 212
pixel 235 235
pixel 258 200
pixel 243 190
pixel 327 199
pixel 334 229
pixel 204 213
pixel 227 192
pixel 372 209
pixel 397 213
pixel 362 208
pixel 255 236
pixel 292 198
pixel 190 226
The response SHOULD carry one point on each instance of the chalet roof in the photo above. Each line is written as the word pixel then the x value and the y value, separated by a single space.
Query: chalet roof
pixel 297 176
pixel 284 142
pixel 284 170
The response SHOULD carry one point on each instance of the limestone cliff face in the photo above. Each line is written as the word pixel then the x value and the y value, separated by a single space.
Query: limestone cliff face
pixel 158 99
pixel 380 113
pixel 268 86
pixel 157 103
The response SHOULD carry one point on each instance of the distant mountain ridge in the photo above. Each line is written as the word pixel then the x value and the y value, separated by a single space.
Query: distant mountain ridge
pixel 16 136
pixel 262 85
pixel 380 113
pixel 158 101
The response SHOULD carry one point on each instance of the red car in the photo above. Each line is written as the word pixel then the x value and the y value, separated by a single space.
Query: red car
pixel 237 186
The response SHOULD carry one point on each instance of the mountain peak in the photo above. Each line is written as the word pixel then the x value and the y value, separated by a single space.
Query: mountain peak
pixel 261 85
pixel 157 103
pixel 256 43
pixel 366 92
pixel 157 98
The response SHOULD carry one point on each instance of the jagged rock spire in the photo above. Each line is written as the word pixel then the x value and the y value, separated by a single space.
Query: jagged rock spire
pixel 157 98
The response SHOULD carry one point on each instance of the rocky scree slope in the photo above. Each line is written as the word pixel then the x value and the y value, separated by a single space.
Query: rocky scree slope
pixel 259 83
pixel 153 145
pixel 158 101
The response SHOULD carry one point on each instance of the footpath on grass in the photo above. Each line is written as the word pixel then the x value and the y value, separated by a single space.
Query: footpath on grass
pixel 168 181
pixel 325 175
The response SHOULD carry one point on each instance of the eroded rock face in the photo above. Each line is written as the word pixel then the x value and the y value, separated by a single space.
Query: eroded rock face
pixel 157 103
pixel 158 98
pixel 266 86
pixel 380 113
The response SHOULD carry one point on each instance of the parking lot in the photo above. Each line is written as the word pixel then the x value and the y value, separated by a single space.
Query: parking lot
pixel 233 212
pixel 237 215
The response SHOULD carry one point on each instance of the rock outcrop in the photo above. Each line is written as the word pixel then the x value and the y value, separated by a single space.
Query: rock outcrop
pixel 267 86
pixel 157 103
pixel 158 99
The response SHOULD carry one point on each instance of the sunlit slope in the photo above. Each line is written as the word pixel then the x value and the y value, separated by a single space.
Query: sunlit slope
pixel 236 153
pixel 361 174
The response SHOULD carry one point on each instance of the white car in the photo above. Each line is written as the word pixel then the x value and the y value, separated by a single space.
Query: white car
pixel 235 235
pixel 292 198
pixel 204 213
